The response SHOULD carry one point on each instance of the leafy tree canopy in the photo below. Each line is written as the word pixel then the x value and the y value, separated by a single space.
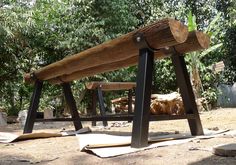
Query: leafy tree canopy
pixel 38 32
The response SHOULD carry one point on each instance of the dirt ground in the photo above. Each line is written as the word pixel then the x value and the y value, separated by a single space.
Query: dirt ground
pixel 64 150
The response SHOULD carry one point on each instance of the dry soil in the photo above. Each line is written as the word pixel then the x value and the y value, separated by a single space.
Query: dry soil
pixel 64 150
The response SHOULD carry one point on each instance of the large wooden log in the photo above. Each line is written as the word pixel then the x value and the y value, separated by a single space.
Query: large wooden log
pixel 94 70
pixel 196 41
pixel 167 32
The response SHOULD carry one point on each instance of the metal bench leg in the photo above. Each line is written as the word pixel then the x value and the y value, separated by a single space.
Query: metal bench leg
pixel 94 105
pixel 186 91
pixel 72 105
pixel 34 103
pixel 101 104
pixel 130 103
pixel 142 99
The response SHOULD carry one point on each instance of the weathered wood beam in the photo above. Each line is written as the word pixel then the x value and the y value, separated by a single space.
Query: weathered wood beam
pixel 107 86
pixel 166 32
pixel 196 41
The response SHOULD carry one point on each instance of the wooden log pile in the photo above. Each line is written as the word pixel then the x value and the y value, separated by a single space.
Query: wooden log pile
pixel 121 104
pixel 161 104
pixel 167 104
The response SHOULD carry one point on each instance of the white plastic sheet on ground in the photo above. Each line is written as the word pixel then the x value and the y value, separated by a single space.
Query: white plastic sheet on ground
pixel 104 145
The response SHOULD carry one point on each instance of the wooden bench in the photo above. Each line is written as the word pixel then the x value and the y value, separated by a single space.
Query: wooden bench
pixel 164 38
pixel 98 87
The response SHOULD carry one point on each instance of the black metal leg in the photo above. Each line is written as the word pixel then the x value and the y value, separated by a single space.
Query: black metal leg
pixel 29 124
pixel 72 105
pixel 94 103
pixel 130 103
pixel 142 100
pixel 101 105
pixel 186 92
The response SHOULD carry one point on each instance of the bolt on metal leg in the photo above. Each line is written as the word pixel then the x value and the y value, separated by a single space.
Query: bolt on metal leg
pixel 101 105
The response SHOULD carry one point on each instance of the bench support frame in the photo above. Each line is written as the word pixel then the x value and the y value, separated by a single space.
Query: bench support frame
pixel 97 96
pixel 34 104
pixel 94 106
pixel 186 92
pixel 101 104
pixel 72 105
pixel 142 99
pixel 141 115
pixel 143 95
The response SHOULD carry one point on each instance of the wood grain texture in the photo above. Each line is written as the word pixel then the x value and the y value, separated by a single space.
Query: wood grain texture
pixel 193 39
pixel 196 41
pixel 107 86
pixel 166 32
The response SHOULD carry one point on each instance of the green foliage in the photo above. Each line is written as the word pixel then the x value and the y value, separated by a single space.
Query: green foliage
pixel 230 58
pixel 164 75
pixel 34 35
pixel 115 17
pixel 204 80
pixel 211 96
pixel 191 22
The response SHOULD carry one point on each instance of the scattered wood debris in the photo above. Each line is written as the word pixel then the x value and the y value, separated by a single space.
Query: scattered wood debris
pixel 169 104
pixel 161 104
pixel 121 104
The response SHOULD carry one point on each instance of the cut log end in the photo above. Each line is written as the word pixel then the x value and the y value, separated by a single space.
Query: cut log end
pixel 165 33
pixel 179 30
pixel 196 41
pixel 203 39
